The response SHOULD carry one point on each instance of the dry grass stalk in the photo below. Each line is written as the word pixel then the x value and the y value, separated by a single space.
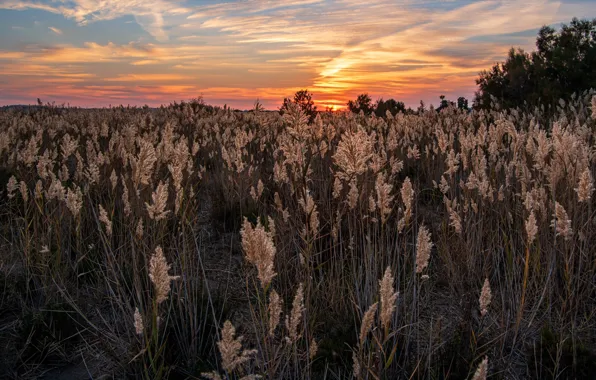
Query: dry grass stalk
pixel 295 317
pixel 482 370
pixel 157 209
pixel 275 310
pixel 367 322
pixel 142 166
pixel 531 228
pixel 74 200
pixel 158 273
pixel 230 349
pixel 352 154
pixel 388 297
pixel 485 298
pixel 11 187
pixel 423 248
pixel 313 349
pixel 259 250
pixel 561 222
pixel 103 217
pixel 139 326
pixel 585 186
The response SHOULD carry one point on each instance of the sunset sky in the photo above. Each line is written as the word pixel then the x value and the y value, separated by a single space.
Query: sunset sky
pixel 95 53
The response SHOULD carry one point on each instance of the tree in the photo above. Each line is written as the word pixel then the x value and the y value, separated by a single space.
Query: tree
pixel 391 105
pixel 563 64
pixel 363 103
pixel 302 98
pixel 462 103
pixel 444 103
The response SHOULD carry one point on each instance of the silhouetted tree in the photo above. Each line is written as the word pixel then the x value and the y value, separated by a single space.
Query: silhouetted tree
pixel 362 103
pixel 564 63
pixel 444 103
pixel 462 103
pixel 391 105
pixel 304 99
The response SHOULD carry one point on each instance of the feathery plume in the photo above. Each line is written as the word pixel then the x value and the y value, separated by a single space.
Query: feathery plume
pixel 229 348
pixel 356 366
pixel 293 320
pixel 482 370
pixel 388 297
pixel 24 191
pixel 352 154
pixel 585 186
pixel 384 197
pixel 74 200
pixel 485 298
pixel 310 209
pixel 157 210
pixel 142 166
pixel 561 222
pixel 259 250
pixel 407 196
pixel 353 194
pixel 38 189
pixel 531 228
pixel 313 349
pixel 367 322
pixel 11 186
pixel 103 217
pixel 423 248
pixel 594 107
pixel 139 230
pixel 113 179
pixel 139 327
pixel 158 273
pixel 275 306
pixel 125 198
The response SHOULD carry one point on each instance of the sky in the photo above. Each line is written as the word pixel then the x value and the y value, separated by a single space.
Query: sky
pixel 135 52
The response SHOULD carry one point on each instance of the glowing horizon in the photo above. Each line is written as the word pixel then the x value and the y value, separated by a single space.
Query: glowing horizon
pixel 92 54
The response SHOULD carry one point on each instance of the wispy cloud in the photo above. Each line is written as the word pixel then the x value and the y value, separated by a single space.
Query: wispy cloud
pixel 55 30
pixel 237 51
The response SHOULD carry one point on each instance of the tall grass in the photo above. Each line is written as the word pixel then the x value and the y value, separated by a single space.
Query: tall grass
pixel 193 241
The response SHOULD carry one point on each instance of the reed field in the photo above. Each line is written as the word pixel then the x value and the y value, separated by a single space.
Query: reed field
pixel 193 241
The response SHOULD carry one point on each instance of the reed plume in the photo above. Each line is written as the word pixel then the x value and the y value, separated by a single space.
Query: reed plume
pixel 295 317
pixel 485 298
pixel 230 349
pixel 259 250
pixel 388 297
pixel 158 273
pixel 423 248
pixel 367 322
pixel 482 370
pixel 157 209
pixel 561 222
pixel 275 310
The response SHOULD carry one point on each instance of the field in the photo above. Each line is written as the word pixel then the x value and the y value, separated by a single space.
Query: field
pixel 143 243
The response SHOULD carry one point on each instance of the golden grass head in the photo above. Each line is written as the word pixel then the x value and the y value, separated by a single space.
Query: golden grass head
pixel 485 298
pixel 294 319
pixel 230 349
pixel 275 310
pixel 482 370
pixel 158 273
pixel 423 248
pixel 367 322
pixel 561 222
pixel 259 250
pixel 388 296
